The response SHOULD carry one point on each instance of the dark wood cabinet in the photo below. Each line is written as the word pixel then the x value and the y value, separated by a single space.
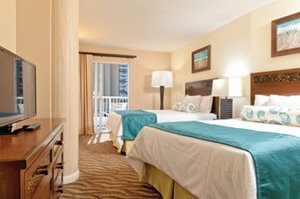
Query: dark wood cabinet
pixel 31 163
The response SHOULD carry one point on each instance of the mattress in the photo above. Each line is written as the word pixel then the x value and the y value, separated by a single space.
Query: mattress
pixel 114 122
pixel 206 169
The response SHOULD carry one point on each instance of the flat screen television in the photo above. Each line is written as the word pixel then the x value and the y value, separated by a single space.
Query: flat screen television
pixel 17 89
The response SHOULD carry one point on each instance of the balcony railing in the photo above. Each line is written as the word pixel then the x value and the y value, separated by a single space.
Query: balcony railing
pixel 20 104
pixel 102 106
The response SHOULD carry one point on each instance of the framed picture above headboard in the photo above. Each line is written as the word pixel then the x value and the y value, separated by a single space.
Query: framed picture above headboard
pixel 285 35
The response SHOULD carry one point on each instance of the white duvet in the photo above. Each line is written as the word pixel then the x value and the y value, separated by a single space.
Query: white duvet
pixel 208 170
pixel 114 122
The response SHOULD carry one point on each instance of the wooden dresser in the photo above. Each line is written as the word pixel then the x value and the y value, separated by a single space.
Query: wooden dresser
pixel 31 163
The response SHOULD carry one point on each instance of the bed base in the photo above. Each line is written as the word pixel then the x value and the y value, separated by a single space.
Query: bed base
pixel 166 186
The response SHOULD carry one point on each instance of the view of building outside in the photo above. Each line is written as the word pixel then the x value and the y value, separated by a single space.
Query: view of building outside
pixel 123 80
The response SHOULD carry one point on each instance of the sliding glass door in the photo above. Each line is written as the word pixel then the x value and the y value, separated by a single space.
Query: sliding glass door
pixel 110 90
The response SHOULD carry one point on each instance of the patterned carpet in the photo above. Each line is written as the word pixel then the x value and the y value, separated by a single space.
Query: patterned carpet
pixel 105 174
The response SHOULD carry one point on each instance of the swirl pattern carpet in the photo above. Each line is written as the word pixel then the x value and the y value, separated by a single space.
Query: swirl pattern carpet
pixel 105 174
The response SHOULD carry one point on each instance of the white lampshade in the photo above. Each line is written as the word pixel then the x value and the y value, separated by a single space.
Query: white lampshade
pixel 162 78
pixel 227 87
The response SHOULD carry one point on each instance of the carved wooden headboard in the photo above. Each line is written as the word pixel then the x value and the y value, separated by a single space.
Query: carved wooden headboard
pixel 281 82
pixel 204 88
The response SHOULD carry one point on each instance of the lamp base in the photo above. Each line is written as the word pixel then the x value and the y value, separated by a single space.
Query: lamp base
pixel 226 109
pixel 162 91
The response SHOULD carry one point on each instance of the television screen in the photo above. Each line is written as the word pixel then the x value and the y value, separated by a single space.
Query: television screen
pixel 17 88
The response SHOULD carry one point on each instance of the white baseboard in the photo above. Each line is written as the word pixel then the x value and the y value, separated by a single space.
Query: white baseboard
pixel 71 178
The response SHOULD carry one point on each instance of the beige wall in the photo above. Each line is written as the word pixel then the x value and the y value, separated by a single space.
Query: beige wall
pixel 8 24
pixel 34 43
pixel 230 47
pixel 239 48
pixel 141 94
pixel 260 36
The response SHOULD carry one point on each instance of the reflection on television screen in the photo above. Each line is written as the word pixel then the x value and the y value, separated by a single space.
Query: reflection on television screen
pixel 17 88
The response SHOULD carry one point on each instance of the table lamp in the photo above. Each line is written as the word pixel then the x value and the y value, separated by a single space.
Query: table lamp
pixel 162 80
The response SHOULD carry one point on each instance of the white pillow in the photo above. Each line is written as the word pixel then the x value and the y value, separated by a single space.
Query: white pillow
pixel 206 104
pixel 292 101
pixel 190 108
pixel 178 107
pixel 192 99
pixel 271 114
pixel 261 100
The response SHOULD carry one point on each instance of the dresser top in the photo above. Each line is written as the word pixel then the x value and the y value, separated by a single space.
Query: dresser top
pixel 18 149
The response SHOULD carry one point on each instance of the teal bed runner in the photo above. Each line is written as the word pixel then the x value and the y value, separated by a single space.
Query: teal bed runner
pixel 276 156
pixel 134 120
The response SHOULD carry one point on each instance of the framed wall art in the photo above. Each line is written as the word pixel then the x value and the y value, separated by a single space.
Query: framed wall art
pixel 286 35
pixel 201 59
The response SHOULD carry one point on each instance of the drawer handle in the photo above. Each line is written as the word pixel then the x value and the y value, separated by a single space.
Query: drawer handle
pixel 59 142
pixel 59 189
pixel 42 170
pixel 35 179
pixel 59 165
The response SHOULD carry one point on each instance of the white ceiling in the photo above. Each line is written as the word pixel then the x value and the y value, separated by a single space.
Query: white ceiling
pixel 158 25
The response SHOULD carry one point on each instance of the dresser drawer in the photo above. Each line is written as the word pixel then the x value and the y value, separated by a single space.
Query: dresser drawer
pixel 58 144
pixel 58 186
pixel 43 190
pixel 28 160
pixel 38 175
pixel 57 180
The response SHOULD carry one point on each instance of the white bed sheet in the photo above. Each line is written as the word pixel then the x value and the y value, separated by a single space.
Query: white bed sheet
pixel 114 122
pixel 206 169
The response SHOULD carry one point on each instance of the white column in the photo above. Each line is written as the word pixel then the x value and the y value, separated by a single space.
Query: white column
pixel 65 79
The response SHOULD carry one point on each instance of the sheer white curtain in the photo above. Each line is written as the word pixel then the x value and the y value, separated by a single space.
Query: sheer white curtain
pixel 98 84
